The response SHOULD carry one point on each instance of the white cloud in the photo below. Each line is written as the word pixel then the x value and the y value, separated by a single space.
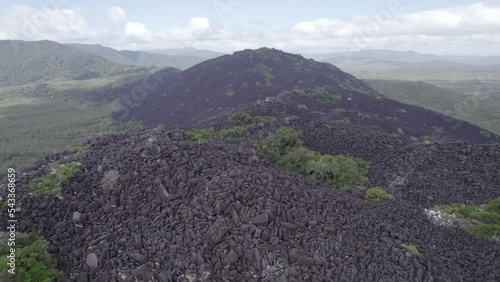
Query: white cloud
pixel 138 30
pixel 473 27
pixel 117 14
pixel 196 24
pixel 25 23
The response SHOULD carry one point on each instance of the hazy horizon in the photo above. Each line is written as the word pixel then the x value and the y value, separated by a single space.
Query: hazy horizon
pixel 444 28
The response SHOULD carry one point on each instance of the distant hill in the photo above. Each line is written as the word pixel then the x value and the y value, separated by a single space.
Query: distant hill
pixel 486 112
pixel 29 62
pixel 200 53
pixel 387 64
pixel 410 57
pixel 272 76
pixel 140 58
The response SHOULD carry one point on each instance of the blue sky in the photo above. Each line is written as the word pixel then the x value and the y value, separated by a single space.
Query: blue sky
pixel 442 27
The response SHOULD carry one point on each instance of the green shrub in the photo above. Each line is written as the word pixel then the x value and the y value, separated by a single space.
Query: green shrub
pixel 485 133
pixel 427 138
pixel 60 174
pixel 297 159
pixel 322 95
pixel 78 149
pixel 4 206
pixel 481 223
pixel 285 148
pixel 341 171
pixel 379 99
pixel 245 119
pixel 494 205
pixel 412 249
pixel 376 194
pixel 395 136
pixel 195 136
pixel 235 132
pixel 486 231
pixel 33 263
pixel 285 140
pixel 266 71
pixel 230 92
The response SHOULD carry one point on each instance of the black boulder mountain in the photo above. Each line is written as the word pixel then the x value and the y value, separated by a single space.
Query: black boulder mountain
pixel 221 84
pixel 155 205
pixel 182 210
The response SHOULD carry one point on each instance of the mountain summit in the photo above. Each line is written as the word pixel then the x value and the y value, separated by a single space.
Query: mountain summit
pixel 222 84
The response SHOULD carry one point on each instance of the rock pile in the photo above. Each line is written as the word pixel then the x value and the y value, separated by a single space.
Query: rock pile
pixel 180 210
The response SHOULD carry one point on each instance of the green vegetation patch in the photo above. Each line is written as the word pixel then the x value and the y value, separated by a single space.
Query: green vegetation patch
pixel 376 194
pixel 485 133
pixel 4 206
pixel 395 136
pixel 200 134
pixel 35 127
pixel 33 263
pixel 230 93
pixel 285 148
pixel 50 184
pixel 245 119
pixel 427 138
pixel 266 71
pixel 480 222
pixel 412 249
pixel 235 132
pixel 323 95
pixel 78 149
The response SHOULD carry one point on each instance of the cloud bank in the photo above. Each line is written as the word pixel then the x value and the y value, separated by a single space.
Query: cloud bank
pixel 468 29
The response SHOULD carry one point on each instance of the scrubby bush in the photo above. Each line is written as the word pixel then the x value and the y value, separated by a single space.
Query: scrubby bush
pixel 4 206
pixel 235 132
pixel 376 194
pixel 480 222
pixel 485 230
pixel 485 133
pixel 395 136
pixel 285 148
pixel 78 149
pixel 195 136
pixel 33 263
pixel 298 158
pixel 412 249
pixel 494 205
pixel 322 95
pixel 60 174
pixel 245 119
pixel 275 147
pixel 341 171
pixel 230 92
pixel 427 138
